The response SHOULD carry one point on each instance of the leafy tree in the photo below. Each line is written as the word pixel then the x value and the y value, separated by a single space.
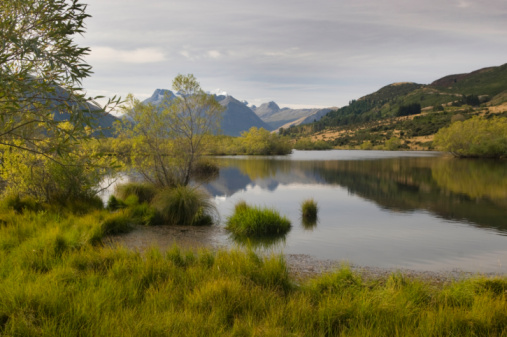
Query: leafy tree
pixel 168 141
pixel 475 137
pixel 41 69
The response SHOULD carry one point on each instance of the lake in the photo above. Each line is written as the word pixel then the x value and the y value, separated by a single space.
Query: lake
pixel 423 211
pixel 415 210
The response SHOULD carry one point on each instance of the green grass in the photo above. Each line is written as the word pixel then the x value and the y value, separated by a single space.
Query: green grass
pixel 144 192
pixel 251 221
pixel 309 210
pixel 185 206
pixel 54 282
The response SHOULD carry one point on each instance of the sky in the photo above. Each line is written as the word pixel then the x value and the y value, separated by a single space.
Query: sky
pixel 320 53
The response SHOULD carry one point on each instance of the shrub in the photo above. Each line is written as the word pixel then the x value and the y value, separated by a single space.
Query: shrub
pixel 254 221
pixel 114 203
pixel 475 137
pixel 18 204
pixel 185 206
pixel 143 191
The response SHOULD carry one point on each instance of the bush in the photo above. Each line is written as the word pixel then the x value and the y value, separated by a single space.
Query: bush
pixel 18 204
pixel 254 221
pixel 185 206
pixel 475 137
pixel 308 144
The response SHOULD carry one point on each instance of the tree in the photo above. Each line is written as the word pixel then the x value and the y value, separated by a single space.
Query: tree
pixel 169 139
pixel 475 137
pixel 44 115
pixel 41 69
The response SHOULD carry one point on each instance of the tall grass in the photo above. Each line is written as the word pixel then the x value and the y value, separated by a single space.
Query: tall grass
pixel 254 221
pixel 144 192
pixel 185 206
pixel 309 210
pixel 53 282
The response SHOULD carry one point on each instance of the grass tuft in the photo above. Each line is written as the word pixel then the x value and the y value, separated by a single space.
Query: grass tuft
pixel 254 221
pixel 185 206
pixel 309 210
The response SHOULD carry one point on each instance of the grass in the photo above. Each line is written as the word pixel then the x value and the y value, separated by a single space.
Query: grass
pixel 250 221
pixel 54 282
pixel 144 192
pixel 185 206
pixel 309 211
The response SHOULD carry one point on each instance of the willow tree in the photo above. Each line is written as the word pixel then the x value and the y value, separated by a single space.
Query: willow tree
pixel 44 113
pixel 41 69
pixel 169 139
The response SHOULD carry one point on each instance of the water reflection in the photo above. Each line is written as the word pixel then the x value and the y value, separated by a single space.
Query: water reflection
pixel 458 190
pixel 265 242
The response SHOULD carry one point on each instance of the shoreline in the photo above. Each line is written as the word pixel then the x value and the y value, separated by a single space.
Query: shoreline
pixel 301 266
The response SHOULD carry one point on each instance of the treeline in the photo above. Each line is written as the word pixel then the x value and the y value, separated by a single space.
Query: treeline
pixel 256 141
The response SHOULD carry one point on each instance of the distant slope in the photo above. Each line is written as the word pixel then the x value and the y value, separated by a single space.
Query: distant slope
pixel 378 116
pixel 275 117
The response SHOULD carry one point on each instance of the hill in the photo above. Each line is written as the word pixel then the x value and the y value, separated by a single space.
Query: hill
pixel 411 112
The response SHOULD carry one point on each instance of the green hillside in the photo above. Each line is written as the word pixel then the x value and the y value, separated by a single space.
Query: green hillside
pixel 411 112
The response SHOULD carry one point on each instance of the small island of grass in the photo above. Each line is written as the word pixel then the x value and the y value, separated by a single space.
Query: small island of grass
pixel 255 221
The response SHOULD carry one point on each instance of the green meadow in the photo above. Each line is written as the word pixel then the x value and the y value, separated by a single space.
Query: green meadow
pixel 59 277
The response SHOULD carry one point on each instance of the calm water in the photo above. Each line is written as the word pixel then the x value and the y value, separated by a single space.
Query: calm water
pixel 414 210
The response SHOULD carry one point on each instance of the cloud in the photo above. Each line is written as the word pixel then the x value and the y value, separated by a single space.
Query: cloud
pixel 214 54
pixel 137 56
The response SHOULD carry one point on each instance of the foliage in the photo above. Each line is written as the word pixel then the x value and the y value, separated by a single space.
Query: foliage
pixel 259 141
pixel 308 144
pixel 392 144
pixel 255 221
pixel 54 283
pixel 410 109
pixel 185 206
pixel 476 137
pixel 144 192
pixel 252 142
pixel 167 141
pixel 75 176
pixel 41 69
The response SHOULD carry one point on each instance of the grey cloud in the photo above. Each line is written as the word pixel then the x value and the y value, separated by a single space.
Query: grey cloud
pixel 323 52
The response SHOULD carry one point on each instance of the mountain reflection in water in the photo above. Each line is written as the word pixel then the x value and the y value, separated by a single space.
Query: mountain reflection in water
pixel 396 209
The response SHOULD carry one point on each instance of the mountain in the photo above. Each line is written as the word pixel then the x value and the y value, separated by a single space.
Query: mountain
pixel 266 110
pixel 275 117
pixel 237 117
pixel 102 121
pixel 309 116
pixel 412 112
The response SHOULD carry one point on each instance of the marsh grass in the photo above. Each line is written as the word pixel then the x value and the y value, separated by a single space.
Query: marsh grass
pixel 53 282
pixel 185 206
pixel 251 221
pixel 309 210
